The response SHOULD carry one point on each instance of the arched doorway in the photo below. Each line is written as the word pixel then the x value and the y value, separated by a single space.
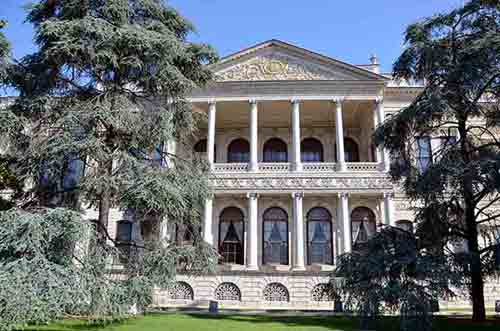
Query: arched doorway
pixel 275 236
pixel 319 236
pixel 231 235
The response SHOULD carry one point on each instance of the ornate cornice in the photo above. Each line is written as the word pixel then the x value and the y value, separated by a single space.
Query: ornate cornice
pixel 292 184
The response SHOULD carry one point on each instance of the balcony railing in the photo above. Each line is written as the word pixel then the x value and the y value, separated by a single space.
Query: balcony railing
pixel 319 167
pixel 362 166
pixel 282 167
pixel 230 167
pixel 275 167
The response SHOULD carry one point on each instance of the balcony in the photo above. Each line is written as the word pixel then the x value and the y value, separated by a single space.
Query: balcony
pixel 286 167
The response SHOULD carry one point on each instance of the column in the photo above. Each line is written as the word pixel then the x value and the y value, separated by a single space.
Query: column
pixel 298 221
pixel 383 220
pixel 297 164
pixel 211 133
pixel 376 122
pixel 389 209
pixel 339 129
pixel 254 136
pixel 171 150
pixel 163 229
pixel 384 155
pixel 207 221
pixel 335 238
pixel 253 238
pixel 346 222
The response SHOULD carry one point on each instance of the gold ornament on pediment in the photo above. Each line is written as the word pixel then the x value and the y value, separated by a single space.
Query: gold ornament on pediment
pixel 273 68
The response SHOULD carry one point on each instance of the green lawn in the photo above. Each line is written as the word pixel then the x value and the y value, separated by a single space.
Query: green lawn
pixel 198 322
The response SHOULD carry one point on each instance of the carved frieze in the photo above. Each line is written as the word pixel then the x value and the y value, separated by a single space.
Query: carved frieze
pixel 272 183
pixel 275 66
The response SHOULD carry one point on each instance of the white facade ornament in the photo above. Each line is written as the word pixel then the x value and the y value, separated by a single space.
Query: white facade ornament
pixel 321 183
pixel 276 66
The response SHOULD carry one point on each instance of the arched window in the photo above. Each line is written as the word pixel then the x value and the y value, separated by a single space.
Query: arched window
pixel 201 147
pixel 351 150
pixel 231 229
pixel 405 225
pixel 275 233
pixel 319 236
pixel 181 291
pixel 228 292
pixel 238 151
pixel 311 150
pixel 363 225
pixel 275 150
pixel 276 292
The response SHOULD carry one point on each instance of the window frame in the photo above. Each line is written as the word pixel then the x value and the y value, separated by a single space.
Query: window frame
pixel 220 242
pixel 273 158
pixel 230 153
pixel 287 242
pixel 328 220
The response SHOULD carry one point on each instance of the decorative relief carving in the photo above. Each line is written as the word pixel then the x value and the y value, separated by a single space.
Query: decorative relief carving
pixel 228 292
pixel 181 291
pixel 275 67
pixel 282 183
pixel 276 292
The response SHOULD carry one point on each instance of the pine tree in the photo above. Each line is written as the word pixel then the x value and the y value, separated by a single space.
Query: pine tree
pixel 457 193
pixel 100 99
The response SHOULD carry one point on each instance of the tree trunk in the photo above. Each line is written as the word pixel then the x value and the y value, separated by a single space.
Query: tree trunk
pixel 477 282
pixel 104 206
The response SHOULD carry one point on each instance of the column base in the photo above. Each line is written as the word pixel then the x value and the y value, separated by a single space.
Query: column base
pixel 299 268
pixel 341 167
pixel 254 167
pixel 209 240
pixel 297 167
pixel 252 268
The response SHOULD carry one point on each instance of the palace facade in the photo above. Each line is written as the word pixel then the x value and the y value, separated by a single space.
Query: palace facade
pixel 296 178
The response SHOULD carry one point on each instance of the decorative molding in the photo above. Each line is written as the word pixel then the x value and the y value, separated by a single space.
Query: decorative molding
pixel 338 100
pixel 293 183
pixel 252 196
pixel 275 66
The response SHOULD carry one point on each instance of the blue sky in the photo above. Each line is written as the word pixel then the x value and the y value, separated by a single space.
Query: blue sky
pixel 349 30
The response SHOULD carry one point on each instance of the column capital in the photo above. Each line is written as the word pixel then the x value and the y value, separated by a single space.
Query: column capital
pixel 298 195
pixel 252 101
pixel 389 195
pixel 212 101
pixel 379 100
pixel 343 195
pixel 295 101
pixel 338 100
pixel 253 195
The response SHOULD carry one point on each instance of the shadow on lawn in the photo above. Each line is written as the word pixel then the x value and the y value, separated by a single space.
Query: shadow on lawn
pixel 301 322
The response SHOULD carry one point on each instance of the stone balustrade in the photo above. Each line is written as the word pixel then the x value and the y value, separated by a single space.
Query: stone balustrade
pixel 285 167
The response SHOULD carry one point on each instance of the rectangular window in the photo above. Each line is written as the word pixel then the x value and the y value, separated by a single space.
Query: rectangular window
pixel 431 149
pixel 424 153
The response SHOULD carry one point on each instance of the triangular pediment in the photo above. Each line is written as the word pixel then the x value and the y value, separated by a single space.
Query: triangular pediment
pixel 277 61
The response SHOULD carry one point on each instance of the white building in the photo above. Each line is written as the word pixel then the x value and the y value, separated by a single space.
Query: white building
pixel 296 178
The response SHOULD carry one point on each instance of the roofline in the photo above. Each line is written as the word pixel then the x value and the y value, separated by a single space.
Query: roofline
pixel 270 42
